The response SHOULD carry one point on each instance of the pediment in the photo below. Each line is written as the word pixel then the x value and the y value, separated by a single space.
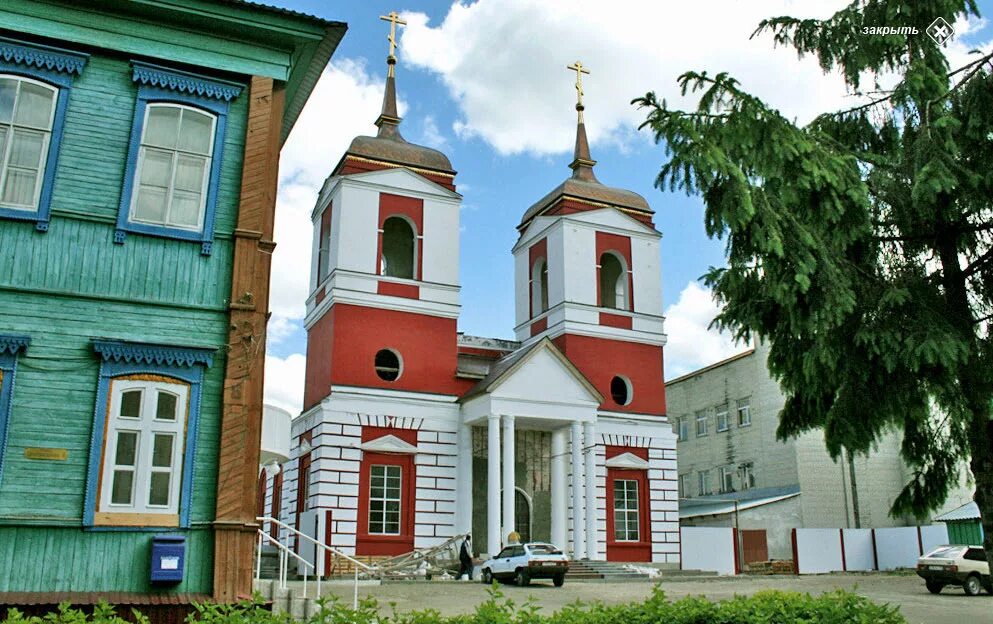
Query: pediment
pixel 627 461
pixel 542 373
pixel 389 444
pixel 613 218
pixel 403 179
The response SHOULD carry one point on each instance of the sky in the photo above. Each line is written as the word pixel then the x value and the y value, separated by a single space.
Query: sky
pixel 486 82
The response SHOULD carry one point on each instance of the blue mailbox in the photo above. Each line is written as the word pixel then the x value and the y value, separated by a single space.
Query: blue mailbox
pixel 168 558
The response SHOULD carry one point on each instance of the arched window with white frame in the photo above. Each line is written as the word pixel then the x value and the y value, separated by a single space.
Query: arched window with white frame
pixel 143 452
pixel 539 287
pixel 399 256
pixel 613 282
pixel 27 113
pixel 174 164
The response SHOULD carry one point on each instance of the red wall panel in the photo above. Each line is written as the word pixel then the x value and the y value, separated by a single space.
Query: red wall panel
pixel 599 359
pixel 317 379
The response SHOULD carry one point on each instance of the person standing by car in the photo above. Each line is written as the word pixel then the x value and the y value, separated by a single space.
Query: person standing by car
pixel 465 557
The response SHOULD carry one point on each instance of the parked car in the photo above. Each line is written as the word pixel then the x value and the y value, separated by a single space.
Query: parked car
pixel 955 565
pixel 523 562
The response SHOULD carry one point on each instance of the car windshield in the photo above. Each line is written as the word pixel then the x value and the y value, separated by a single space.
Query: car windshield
pixel 543 549
pixel 945 552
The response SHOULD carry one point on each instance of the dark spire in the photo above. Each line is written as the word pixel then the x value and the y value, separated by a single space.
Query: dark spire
pixel 389 121
pixel 582 162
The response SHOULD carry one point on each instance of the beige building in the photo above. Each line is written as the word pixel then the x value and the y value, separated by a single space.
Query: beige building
pixel 725 416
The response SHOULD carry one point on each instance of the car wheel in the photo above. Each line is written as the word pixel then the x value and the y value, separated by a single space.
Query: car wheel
pixel 972 586
pixel 559 580
pixel 522 578
pixel 486 576
pixel 934 587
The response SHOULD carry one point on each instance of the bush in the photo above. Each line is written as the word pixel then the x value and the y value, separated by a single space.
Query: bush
pixel 768 607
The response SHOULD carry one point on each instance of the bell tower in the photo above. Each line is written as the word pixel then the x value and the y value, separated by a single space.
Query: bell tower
pixel 588 276
pixel 384 298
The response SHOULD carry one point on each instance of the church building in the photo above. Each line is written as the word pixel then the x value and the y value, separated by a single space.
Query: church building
pixel 413 432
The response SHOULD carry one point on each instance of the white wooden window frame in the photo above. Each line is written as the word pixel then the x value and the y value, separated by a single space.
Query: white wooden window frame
pixel 8 147
pixel 726 476
pixel 146 426
pixel 744 409
pixel 385 498
pixel 723 419
pixel 702 428
pixel 703 483
pixel 629 513
pixel 176 153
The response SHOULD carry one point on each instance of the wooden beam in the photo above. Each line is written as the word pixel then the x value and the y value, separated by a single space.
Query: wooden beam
pixel 241 421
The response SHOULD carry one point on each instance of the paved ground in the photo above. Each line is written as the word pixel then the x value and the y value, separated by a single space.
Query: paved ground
pixel 952 606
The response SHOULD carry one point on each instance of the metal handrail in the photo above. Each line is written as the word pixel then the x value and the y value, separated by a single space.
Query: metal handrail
pixel 356 564
pixel 283 560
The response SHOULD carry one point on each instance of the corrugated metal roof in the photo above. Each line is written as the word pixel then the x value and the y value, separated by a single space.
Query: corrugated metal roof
pixel 719 504
pixel 969 511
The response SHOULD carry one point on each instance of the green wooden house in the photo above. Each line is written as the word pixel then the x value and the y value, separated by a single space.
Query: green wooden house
pixel 139 145
pixel 964 525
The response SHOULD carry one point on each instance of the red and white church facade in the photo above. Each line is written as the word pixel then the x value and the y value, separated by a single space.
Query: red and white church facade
pixel 413 432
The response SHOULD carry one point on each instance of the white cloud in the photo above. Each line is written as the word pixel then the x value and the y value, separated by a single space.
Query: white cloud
pixel 344 104
pixel 284 382
pixel 504 61
pixel 432 137
pixel 691 344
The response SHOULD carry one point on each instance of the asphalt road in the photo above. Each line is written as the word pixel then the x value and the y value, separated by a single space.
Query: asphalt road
pixel 952 606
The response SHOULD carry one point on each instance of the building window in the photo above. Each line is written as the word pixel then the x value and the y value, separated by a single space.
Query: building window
pixel 626 519
pixel 744 413
pixel 10 347
pixel 683 428
pixel 726 476
pixel 539 287
pixel 703 478
pixel 144 434
pixel 174 158
pixel 388 365
pixel 399 248
pixel 620 390
pixel 177 143
pixel 35 82
pixel 722 418
pixel 747 477
pixel 701 423
pixel 684 486
pixel 384 499
pixel 144 448
pixel 613 282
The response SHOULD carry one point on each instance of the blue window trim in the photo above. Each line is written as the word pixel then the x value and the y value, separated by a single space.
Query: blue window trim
pixel 10 346
pixel 56 67
pixel 157 85
pixel 118 359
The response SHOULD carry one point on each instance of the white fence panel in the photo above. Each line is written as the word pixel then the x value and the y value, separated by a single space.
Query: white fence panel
pixel 934 535
pixel 859 556
pixel 817 551
pixel 708 548
pixel 897 548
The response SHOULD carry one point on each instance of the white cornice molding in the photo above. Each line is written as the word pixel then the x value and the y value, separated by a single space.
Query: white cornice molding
pixel 627 461
pixel 389 444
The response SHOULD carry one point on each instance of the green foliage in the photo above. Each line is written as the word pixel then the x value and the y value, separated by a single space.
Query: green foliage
pixel 769 606
pixel 859 245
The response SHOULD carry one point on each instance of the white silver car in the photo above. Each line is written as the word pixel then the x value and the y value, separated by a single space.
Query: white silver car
pixel 955 565
pixel 523 562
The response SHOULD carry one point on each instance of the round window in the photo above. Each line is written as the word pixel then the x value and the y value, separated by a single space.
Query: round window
pixel 388 365
pixel 620 390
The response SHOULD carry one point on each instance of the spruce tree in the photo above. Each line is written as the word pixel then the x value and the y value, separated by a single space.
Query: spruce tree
pixel 860 245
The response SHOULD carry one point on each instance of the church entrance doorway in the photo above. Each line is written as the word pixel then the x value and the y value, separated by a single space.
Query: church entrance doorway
pixel 522 515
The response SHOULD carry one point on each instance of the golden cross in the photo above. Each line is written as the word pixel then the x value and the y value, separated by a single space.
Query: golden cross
pixel 580 70
pixel 393 18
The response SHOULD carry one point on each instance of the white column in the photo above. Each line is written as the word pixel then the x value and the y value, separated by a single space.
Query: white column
pixel 493 485
pixel 560 488
pixel 578 537
pixel 589 451
pixel 463 497
pixel 509 480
